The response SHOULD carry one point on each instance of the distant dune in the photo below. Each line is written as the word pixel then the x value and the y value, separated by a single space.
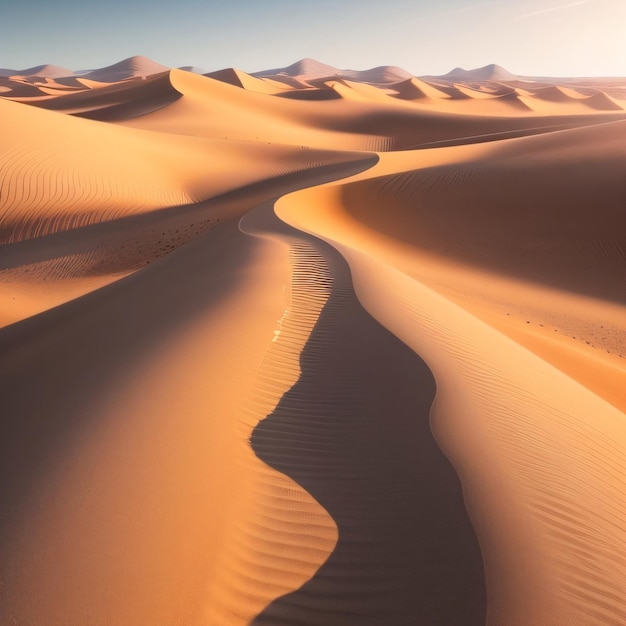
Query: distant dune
pixel 304 67
pixel 128 68
pixel 488 72
pixel 311 346
pixel 41 71
pixel 309 70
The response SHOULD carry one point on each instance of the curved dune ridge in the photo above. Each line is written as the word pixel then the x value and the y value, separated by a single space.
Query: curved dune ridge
pixel 312 346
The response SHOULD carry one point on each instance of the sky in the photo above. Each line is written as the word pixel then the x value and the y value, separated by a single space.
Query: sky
pixel 527 37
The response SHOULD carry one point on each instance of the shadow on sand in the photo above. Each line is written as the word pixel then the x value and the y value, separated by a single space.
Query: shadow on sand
pixel 354 432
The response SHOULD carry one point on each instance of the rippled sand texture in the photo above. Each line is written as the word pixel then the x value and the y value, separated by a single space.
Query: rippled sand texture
pixel 312 346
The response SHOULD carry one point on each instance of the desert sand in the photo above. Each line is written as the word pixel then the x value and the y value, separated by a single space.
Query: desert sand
pixel 312 346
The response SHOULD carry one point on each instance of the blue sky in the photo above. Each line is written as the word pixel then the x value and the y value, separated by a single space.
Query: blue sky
pixel 540 37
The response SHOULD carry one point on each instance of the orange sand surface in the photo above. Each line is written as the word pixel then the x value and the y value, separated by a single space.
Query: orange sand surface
pixel 312 346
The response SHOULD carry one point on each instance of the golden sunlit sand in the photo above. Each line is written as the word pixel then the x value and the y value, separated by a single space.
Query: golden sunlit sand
pixel 312 346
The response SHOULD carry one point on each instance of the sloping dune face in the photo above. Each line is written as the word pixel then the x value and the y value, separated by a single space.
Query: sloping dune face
pixel 312 346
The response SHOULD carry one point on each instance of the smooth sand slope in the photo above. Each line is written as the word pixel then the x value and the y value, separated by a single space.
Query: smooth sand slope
pixel 61 174
pixel 312 346
pixel 546 489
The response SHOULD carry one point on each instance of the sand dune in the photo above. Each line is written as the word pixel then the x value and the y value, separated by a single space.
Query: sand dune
pixel 228 75
pixel 18 89
pixel 216 109
pixel 132 67
pixel 109 102
pixel 414 89
pixel 361 92
pixel 524 403
pixel 490 72
pixel 308 72
pixel 53 178
pixel 312 346
pixel 303 67
pixel 557 99
pixel 246 81
pixel 40 71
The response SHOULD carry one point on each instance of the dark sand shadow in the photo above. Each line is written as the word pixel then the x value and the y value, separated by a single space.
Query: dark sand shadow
pixel 354 432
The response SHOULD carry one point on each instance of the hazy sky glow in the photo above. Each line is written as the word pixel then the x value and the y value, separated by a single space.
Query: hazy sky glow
pixel 540 37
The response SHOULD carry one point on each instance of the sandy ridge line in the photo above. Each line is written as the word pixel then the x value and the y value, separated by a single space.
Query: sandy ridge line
pixel 353 431
pixel 131 439
pixel 533 448
pixel 279 534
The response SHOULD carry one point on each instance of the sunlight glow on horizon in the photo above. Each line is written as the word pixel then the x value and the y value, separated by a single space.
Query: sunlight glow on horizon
pixel 527 37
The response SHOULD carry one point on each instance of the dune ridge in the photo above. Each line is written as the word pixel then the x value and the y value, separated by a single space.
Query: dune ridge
pixel 310 346
pixel 525 406
pixel 340 398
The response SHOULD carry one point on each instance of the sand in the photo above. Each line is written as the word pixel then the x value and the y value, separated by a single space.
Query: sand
pixel 312 346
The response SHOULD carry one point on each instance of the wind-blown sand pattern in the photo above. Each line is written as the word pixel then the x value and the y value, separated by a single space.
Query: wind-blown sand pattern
pixel 312 346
